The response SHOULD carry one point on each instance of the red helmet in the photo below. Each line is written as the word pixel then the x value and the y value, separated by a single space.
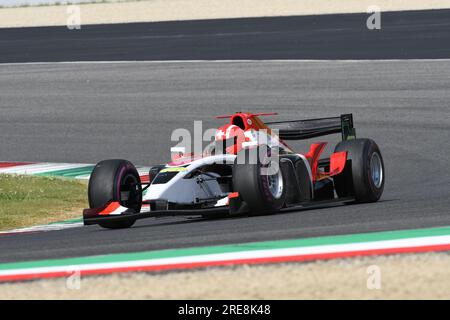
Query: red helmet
pixel 229 139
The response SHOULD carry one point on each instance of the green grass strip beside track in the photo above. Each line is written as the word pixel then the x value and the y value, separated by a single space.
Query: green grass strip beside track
pixel 31 200
pixel 266 245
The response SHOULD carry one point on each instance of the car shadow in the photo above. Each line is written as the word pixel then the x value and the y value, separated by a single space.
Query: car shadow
pixel 189 220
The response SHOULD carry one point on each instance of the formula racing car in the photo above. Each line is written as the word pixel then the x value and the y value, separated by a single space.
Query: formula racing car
pixel 247 169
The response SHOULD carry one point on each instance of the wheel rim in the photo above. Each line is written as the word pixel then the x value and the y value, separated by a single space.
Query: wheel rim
pixel 276 184
pixel 376 169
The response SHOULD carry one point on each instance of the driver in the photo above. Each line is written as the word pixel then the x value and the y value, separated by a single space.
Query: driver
pixel 229 139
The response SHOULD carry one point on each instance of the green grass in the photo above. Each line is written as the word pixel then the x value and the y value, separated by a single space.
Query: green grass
pixel 31 200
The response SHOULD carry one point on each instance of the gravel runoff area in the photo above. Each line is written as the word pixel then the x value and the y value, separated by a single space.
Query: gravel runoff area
pixel 173 10
pixel 415 276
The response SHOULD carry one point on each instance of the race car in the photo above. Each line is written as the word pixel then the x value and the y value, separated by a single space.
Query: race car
pixel 248 169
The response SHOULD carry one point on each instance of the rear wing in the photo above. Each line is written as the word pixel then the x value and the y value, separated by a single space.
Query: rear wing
pixel 311 128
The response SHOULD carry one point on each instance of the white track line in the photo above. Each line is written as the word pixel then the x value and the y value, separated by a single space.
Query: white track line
pixel 43 228
pixel 223 61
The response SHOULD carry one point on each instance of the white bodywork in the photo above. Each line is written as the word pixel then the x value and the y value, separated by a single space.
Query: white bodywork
pixel 186 191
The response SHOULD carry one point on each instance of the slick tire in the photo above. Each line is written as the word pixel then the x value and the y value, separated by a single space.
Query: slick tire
pixel 364 174
pixel 261 192
pixel 115 180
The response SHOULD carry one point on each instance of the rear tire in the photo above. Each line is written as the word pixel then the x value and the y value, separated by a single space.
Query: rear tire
pixel 364 174
pixel 115 180
pixel 262 193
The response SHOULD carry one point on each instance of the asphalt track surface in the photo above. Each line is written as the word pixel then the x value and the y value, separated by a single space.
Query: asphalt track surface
pixel 89 112
pixel 403 35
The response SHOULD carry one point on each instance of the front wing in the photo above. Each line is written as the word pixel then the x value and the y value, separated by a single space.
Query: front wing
pixel 97 216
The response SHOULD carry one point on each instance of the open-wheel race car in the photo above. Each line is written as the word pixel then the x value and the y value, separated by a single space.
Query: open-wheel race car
pixel 248 169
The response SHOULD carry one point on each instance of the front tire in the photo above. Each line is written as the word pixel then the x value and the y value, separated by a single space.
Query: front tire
pixel 115 180
pixel 263 193
pixel 364 175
